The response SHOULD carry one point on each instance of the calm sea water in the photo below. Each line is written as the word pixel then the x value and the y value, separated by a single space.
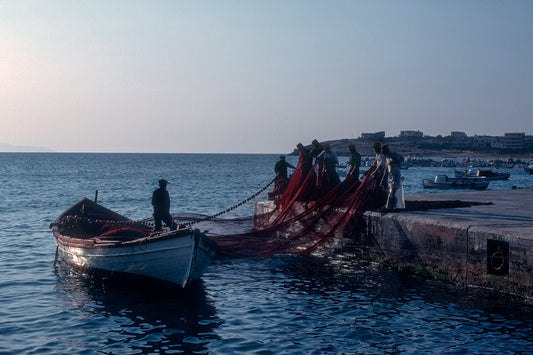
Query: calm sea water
pixel 322 304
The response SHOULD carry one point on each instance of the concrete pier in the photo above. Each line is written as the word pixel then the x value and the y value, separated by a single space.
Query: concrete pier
pixel 488 246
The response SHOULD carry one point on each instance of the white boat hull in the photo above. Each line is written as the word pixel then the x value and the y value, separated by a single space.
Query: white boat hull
pixel 178 256
pixel 487 174
pixel 444 182
pixel 178 260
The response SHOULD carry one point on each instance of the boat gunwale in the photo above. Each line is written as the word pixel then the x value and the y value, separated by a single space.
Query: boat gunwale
pixel 93 243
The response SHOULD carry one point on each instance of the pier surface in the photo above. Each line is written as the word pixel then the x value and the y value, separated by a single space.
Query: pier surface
pixel 511 210
pixel 484 245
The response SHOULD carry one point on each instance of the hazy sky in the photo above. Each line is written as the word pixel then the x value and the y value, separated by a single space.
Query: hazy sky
pixel 259 76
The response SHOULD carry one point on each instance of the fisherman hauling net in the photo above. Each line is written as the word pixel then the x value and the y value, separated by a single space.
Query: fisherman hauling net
pixel 307 215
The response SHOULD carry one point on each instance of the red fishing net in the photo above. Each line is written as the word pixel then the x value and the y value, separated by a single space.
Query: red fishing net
pixel 311 211
pixel 307 214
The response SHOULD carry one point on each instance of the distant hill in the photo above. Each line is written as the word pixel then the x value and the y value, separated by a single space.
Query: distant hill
pixel 8 148
pixel 340 146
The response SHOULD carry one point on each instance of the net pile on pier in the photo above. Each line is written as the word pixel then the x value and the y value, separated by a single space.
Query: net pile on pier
pixel 307 215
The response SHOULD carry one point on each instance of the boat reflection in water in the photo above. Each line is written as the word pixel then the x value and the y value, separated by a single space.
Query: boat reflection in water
pixel 113 316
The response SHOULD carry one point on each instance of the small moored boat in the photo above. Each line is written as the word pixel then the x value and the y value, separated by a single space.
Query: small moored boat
pixel 445 182
pixel 92 238
pixel 528 169
pixel 486 173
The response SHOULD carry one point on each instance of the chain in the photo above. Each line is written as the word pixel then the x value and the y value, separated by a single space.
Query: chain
pixel 232 207
pixel 147 223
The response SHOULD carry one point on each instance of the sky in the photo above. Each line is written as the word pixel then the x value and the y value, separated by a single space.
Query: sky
pixel 247 76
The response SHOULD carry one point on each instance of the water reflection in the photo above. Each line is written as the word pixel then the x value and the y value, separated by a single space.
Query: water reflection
pixel 115 316
pixel 403 308
pixel 287 304
pixel 329 272
pixel 339 304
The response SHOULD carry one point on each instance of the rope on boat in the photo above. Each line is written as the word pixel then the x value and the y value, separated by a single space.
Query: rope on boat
pixel 24 230
pixel 188 224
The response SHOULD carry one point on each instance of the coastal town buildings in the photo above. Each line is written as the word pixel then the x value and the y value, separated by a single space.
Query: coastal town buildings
pixel 508 143
pixel 513 141
pixel 416 143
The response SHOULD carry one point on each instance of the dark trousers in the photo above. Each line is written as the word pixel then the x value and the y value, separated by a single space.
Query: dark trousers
pixel 165 217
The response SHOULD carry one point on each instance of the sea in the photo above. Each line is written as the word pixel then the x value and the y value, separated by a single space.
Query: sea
pixel 320 303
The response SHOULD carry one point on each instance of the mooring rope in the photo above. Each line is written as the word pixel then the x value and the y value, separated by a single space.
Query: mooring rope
pixel 208 218
pixel 24 230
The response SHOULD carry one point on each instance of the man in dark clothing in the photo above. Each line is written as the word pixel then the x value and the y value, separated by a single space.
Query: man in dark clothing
pixel 161 204
pixel 317 148
pixel 306 159
pixel 355 162
pixel 328 159
pixel 281 176
pixel 281 167
pixel 315 152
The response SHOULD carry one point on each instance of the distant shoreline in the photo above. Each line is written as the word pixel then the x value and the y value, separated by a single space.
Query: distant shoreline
pixel 406 152
pixel 8 148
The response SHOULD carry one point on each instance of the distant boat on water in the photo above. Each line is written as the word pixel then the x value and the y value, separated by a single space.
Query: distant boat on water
pixel 445 182
pixel 486 173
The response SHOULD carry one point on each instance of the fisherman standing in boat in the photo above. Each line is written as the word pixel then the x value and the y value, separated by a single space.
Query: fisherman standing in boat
pixel 161 204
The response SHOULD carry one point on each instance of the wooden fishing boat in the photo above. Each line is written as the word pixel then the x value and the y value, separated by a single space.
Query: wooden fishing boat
pixel 94 239
pixel 487 173
pixel 445 182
